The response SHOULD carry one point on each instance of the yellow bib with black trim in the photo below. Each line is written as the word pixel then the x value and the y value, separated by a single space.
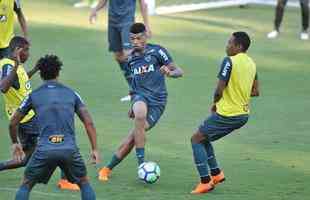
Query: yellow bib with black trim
pixel 14 96
pixel 6 22
pixel 237 94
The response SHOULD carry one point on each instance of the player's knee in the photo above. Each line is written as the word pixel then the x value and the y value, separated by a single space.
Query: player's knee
pixel 83 180
pixel 197 138
pixel 140 117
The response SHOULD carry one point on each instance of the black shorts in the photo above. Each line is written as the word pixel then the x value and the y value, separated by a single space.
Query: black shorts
pixel 28 133
pixel 42 164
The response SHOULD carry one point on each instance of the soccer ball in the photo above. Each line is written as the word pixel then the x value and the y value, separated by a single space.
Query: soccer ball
pixel 149 172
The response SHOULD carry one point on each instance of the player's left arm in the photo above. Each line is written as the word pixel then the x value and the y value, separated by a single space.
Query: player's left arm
pixel 34 70
pixel 21 18
pixel 145 16
pixel 89 125
pixel 171 70
pixel 21 112
pixel 255 87
pixel 168 67
pixel 223 79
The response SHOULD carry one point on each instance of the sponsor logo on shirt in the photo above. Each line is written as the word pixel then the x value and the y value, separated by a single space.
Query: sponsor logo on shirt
pixel 56 139
pixel 144 69
pixel 225 69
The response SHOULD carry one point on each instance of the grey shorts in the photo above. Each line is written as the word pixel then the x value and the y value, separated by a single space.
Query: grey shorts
pixel 42 164
pixel 28 133
pixel 217 126
pixel 153 112
pixel 118 37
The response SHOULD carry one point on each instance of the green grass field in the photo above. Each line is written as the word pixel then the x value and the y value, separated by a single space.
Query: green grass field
pixel 268 159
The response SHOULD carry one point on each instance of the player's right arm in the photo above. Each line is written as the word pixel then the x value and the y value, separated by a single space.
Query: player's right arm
pixel 9 72
pixel 255 87
pixel 21 112
pixel 21 17
pixel 93 14
pixel 85 117
pixel 223 79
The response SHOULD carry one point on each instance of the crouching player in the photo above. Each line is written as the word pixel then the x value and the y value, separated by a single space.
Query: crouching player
pixel 230 111
pixel 54 105
pixel 149 65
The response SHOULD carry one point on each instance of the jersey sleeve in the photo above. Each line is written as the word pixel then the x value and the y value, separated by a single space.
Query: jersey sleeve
pixel 17 6
pixel 78 102
pixel 225 70
pixel 26 105
pixel 164 56
pixel 6 70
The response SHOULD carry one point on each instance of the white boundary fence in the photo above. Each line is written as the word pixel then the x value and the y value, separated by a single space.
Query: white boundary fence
pixel 162 10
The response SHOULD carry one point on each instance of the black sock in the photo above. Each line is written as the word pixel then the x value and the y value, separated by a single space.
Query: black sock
pixel 215 171
pixel 205 179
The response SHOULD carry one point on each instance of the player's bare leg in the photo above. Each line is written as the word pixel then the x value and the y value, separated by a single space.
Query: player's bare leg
pixel 127 144
pixel 140 111
pixel 123 150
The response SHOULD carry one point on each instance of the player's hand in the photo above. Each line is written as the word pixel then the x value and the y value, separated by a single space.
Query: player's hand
pixel 131 114
pixel 165 70
pixel 94 157
pixel 18 153
pixel 93 16
pixel 213 108
pixel 16 56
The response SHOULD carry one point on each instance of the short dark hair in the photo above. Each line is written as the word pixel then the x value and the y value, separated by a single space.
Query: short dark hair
pixel 49 67
pixel 243 39
pixel 137 28
pixel 18 41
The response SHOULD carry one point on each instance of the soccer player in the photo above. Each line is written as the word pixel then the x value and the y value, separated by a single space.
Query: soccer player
pixel 149 64
pixel 55 105
pixel 7 9
pixel 15 86
pixel 121 16
pixel 230 110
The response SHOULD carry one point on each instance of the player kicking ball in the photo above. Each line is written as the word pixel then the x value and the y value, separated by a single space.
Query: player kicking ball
pixel 54 105
pixel 230 111
pixel 149 64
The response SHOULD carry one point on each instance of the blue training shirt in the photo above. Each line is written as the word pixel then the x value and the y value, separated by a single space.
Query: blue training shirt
pixel 122 12
pixel 54 105
pixel 148 81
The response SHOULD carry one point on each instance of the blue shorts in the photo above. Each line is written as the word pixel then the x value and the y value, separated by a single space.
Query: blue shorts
pixel 153 112
pixel 28 133
pixel 217 126
pixel 42 164
pixel 118 37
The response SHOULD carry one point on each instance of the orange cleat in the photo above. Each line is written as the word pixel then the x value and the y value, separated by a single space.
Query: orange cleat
pixel 64 184
pixel 218 178
pixel 203 188
pixel 104 174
